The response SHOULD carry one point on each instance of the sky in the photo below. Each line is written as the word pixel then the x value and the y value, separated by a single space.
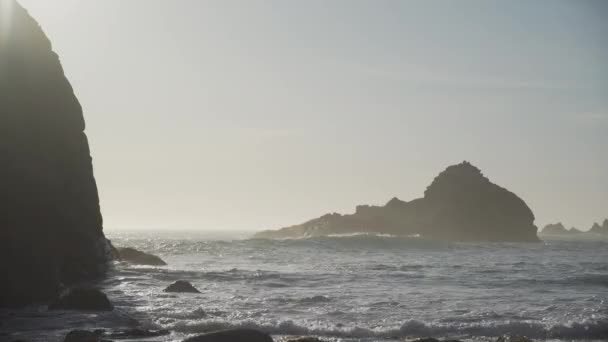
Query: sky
pixel 254 114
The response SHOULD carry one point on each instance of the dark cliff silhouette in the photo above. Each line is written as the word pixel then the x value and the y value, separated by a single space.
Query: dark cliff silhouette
pixel 460 204
pixel 50 221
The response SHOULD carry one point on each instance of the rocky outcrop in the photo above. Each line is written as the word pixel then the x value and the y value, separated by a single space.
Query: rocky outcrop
pixel 84 336
pixel 555 229
pixel 181 286
pixel 597 229
pixel 133 256
pixel 83 299
pixel 460 204
pixel 50 221
pixel 234 335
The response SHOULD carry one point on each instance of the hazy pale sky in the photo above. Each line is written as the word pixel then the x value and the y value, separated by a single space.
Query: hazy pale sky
pixel 260 114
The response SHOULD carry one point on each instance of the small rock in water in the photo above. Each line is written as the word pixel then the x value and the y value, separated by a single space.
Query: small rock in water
pixel 234 335
pixel 304 339
pixel 181 286
pixel 83 336
pixel 133 256
pixel 86 299
pixel 138 333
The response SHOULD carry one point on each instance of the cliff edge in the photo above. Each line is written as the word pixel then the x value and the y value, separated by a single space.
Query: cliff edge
pixel 50 222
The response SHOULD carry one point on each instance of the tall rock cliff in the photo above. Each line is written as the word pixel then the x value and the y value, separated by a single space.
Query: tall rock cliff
pixel 50 221
pixel 460 204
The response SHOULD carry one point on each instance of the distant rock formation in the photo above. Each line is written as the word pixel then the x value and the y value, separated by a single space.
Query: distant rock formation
pixel 597 229
pixel 50 221
pixel 460 204
pixel 555 228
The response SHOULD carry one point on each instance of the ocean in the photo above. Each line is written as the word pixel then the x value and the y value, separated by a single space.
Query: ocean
pixel 348 288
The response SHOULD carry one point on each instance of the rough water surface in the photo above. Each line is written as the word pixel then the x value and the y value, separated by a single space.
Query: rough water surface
pixel 350 288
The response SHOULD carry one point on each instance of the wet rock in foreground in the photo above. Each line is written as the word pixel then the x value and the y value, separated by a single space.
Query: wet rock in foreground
pixel 234 335
pixel 85 299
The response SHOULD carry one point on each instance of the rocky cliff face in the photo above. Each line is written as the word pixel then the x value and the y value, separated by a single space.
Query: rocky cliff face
pixel 461 204
pixel 50 221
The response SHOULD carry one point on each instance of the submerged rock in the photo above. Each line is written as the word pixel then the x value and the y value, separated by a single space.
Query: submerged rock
pixel 181 286
pixel 51 224
pixel 233 335
pixel 460 204
pixel 133 256
pixel 85 299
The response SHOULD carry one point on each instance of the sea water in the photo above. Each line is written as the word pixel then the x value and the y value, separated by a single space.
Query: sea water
pixel 350 288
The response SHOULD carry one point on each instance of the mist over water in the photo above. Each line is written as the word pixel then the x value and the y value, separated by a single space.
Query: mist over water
pixel 364 287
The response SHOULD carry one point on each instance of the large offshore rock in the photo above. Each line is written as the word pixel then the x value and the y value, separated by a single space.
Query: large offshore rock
pixel 461 204
pixel 50 221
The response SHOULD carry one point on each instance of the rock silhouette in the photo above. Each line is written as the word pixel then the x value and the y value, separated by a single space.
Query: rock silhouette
pixel 181 286
pixel 50 221
pixel 555 228
pixel 233 335
pixel 460 204
pixel 597 229
pixel 133 256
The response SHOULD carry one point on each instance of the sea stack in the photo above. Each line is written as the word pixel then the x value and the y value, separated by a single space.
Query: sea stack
pixel 50 222
pixel 461 204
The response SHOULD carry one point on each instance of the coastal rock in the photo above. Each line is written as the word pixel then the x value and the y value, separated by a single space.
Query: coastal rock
pixel 133 256
pixel 431 339
pixel 304 339
pixel 84 336
pixel 513 339
pixel 86 299
pixel 233 335
pixel 51 225
pixel 181 286
pixel 461 204
pixel 597 229
pixel 555 229
pixel 136 333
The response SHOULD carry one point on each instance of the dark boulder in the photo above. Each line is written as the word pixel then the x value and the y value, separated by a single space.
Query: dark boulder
pixel 181 286
pixel 234 335
pixel 84 336
pixel 513 339
pixel 133 256
pixel 85 299
pixel 50 221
